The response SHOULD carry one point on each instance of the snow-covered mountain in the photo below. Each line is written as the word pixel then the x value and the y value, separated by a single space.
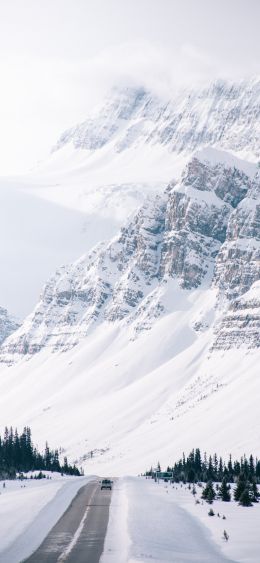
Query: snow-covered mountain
pixel 222 114
pixel 202 230
pixel 102 171
pixel 148 344
pixel 152 331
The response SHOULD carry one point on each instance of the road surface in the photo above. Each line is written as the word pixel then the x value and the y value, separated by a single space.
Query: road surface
pixel 79 535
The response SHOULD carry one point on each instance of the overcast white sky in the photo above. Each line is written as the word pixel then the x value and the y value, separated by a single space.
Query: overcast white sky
pixel 58 57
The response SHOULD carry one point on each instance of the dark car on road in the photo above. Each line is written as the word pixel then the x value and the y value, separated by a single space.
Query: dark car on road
pixel 106 484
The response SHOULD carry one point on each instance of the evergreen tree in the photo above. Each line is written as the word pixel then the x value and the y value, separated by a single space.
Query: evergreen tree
pixel 254 494
pixel 251 466
pixel 208 493
pixel 245 499
pixel 215 464
pixel 220 469
pixel 237 468
pixel 210 469
pixel 240 487
pixel 230 466
pixel 197 462
pixel 224 491
pixel 47 457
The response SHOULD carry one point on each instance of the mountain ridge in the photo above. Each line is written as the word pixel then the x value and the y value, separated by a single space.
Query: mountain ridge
pixel 209 115
pixel 197 230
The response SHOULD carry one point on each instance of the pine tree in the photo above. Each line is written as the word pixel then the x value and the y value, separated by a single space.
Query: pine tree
pixel 208 493
pixel 65 466
pixel 251 466
pixel 246 467
pixel 47 457
pixel 240 487
pixel 210 469
pixel 224 491
pixel 220 469
pixel 253 490
pixel 230 466
pixel 215 464
pixel 197 461
pixel 237 468
pixel 245 499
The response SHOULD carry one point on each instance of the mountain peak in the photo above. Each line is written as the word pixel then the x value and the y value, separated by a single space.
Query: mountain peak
pixel 222 115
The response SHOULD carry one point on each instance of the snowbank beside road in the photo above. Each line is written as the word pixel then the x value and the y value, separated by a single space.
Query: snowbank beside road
pixel 241 523
pixel 159 522
pixel 147 522
pixel 28 511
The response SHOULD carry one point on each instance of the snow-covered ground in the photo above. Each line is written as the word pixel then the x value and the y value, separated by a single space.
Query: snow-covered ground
pixel 159 522
pixel 147 522
pixel 29 509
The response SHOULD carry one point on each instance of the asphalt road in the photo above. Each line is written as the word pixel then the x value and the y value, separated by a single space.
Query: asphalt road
pixel 79 535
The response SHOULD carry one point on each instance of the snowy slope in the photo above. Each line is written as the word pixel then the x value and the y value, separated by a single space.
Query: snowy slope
pixel 132 348
pixel 132 402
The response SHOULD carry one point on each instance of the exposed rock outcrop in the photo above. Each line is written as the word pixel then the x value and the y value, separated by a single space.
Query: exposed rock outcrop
pixel 203 230
pixel 8 324
pixel 240 325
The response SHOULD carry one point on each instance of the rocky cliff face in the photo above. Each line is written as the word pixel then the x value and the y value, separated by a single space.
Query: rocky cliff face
pixel 224 115
pixel 240 325
pixel 7 325
pixel 203 231
pixel 238 262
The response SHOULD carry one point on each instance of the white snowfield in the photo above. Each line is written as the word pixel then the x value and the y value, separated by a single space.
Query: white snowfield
pixel 29 509
pixel 162 523
pixel 147 522
pixel 134 402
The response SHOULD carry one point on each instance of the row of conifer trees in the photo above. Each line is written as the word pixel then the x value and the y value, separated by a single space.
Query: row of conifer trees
pixel 198 467
pixel 18 454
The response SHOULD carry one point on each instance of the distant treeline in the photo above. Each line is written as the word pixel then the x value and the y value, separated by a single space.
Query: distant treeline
pixel 197 467
pixel 18 454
